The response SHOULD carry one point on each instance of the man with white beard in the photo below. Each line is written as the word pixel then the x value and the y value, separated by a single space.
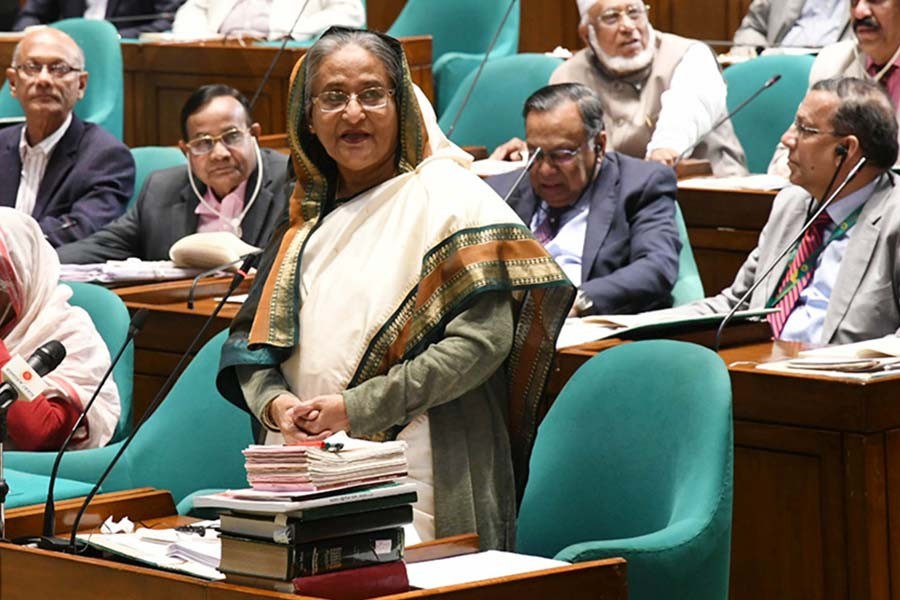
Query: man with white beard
pixel 661 93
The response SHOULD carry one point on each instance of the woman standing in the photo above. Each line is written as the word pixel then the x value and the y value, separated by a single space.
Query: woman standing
pixel 403 299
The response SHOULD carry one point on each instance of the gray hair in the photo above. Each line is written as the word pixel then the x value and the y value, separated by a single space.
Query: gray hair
pixel 79 53
pixel 336 38
pixel 552 96
pixel 865 111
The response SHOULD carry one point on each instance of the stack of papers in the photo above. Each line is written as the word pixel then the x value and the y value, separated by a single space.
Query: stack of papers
pixel 338 461
pixel 132 269
pixel 759 182
pixel 479 566
pixel 862 360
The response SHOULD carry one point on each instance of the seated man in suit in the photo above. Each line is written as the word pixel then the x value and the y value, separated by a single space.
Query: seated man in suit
pixel 812 23
pixel 241 188
pixel 841 283
pixel 607 219
pixel 661 93
pixel 72 177
pixel 130 17
pixel 873 54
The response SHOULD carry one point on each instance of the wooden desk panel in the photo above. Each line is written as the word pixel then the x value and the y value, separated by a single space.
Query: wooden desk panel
pixel 816 479
pixel 159 77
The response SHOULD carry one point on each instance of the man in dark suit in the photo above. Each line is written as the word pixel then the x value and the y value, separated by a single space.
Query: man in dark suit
pixel 131 17
pixel 72 177
pixel 608 219
pixel 218 190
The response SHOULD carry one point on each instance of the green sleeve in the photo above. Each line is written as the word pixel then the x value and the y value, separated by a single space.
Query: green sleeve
pixel 261 385
pixel 474 346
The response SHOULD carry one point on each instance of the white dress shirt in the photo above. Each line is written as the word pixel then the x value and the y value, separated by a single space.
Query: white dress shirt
pixel 34 164
pixel 820 23
pixel 694 101
pixel 95 9
pixel 566 248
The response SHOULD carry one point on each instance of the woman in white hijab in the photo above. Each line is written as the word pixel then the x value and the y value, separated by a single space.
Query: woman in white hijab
pixel 34 309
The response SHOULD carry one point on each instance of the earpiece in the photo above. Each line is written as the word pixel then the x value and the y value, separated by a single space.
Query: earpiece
pixel 841 150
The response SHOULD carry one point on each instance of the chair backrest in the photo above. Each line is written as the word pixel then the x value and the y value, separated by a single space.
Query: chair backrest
pixel 459 26
pixel 104 98
pixel 110 317
pixel 761 123
pixel 494 112
pixel 193 440
pixel 688 287
pixel 152 158
pixel 623 455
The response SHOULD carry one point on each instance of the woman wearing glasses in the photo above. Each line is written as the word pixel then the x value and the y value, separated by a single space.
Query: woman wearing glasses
pixel 229 185
pixel 403 299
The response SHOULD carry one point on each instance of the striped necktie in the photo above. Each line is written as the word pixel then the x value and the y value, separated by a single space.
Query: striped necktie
pixel 811 241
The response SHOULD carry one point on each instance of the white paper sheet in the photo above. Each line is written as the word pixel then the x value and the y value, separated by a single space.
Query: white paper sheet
pixel 475 567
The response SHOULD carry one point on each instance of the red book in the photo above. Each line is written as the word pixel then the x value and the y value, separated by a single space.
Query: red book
pixel 356 584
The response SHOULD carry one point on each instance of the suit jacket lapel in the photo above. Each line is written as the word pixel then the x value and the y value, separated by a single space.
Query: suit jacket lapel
pixel 524 201
pixel 857 257
pixel 600 213
pixel 10 170
pixel 62 159
pixel 254 222
pixel 190 202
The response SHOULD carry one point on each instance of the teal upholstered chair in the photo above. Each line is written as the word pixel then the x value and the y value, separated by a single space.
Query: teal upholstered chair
pixel 27 488
pixel 461 31
pixel 761 123
pixel 192 441
pixel 494 112
pixel 152 158
pixel 688 287
pixel 104 98
pixel 111 319
pixel 638 466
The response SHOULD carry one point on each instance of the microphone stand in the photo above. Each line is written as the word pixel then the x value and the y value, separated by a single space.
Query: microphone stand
pixel 216 269
pixel 48 541
pixel 160 395
pixel 521 176
pixel 769 83
pixel 787 248
pixel 268 73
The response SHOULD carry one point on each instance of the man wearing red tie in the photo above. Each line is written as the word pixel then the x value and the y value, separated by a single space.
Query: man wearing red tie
pixel 841 282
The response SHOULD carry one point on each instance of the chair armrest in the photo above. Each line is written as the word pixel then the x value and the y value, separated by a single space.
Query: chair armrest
pixel 80 465
pixel 674 538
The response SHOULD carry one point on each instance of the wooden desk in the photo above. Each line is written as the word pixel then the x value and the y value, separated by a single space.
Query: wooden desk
pixel 723 226
pixel 816 479
pixel 159 77
pixel 28 574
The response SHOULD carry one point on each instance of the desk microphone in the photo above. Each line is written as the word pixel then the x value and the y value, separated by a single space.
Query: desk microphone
pixel 788 247
pixel 161 394
pixel 528 165
pixel 213 271
pixel 66 225
pixel 487 53
pixel 769 83
pixel 147 17
pixel 265 79
pixel 47 540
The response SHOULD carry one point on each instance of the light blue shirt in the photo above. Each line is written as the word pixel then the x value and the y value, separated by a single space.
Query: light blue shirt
pixel 820 23
pixel 806 320
pixel 567 246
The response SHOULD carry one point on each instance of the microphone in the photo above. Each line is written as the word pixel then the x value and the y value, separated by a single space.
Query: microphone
pixel 47 540
pixel 787 248
pixel 216 269
pixel 68 223
pixel 487 53
pixel 161 394
pixel 769 83
pixel 528 165
pixel 147 17
pixel 275 58
pixel 42 361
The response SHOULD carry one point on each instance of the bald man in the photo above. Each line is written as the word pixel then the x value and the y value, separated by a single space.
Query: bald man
pixel 72 177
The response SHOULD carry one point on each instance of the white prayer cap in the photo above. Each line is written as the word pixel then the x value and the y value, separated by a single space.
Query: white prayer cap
pixel 584 6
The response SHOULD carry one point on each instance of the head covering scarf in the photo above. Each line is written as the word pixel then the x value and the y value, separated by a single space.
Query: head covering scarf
pixel 29 274
pixel 465 263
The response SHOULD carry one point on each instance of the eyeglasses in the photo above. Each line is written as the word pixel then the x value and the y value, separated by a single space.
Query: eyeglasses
pixel 559 157
pixel 372 98
pixel 233 138
pixel 57 70
pixel 805 131
pixel 637 13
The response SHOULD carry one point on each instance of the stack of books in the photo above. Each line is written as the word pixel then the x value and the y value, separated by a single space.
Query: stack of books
pixel 318 522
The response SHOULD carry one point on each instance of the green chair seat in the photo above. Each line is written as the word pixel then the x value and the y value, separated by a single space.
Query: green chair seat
pixel 638 466
pixel 152 158
pixel 26 489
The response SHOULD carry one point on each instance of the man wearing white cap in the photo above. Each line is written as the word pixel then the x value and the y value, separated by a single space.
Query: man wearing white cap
pixel 661 93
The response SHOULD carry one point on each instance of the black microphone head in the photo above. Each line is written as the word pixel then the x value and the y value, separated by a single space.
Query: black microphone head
pixel 841 150
pixel 47 357
pixel 773 80
pixel 250 261
pixel 138 320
